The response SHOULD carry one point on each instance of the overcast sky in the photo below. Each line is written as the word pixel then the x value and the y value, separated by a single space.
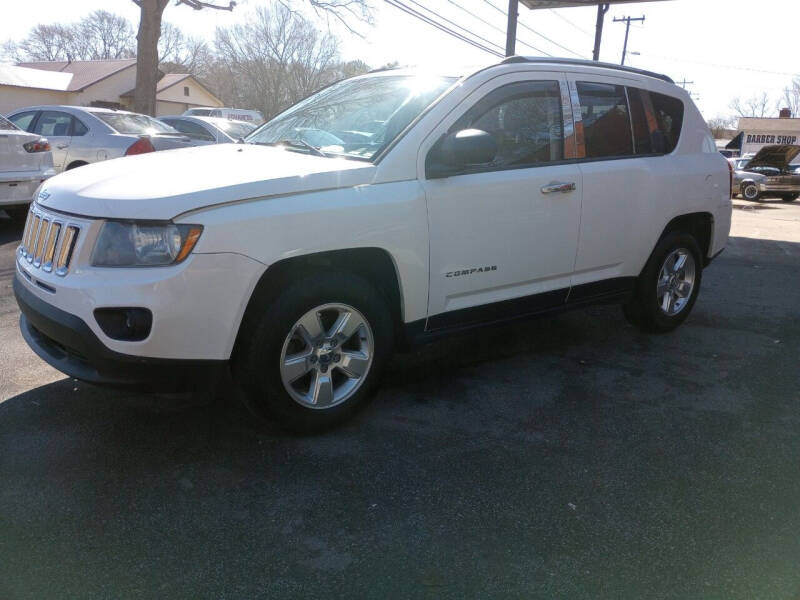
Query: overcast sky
pixel 727 48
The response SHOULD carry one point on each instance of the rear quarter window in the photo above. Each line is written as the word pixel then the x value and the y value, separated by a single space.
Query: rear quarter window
pixel 669 118
pixel 6 124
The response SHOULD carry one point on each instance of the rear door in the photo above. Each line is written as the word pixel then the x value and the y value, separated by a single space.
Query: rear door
pixel 56 126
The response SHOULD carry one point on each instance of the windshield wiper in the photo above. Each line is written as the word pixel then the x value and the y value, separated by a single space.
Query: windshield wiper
pixel 296 144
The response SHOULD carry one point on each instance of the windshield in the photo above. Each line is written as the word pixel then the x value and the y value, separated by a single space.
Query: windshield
pixel 354 118
pixel 235 129
pixel 134 124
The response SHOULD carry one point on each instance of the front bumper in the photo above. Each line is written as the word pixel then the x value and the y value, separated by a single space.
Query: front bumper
pixel 67 343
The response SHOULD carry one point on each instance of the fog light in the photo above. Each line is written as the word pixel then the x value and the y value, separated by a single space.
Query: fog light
pixel 125 324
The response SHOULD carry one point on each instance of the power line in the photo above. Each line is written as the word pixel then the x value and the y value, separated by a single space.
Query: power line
pixel 432 22
pixel 717 65
pixel 533 31
pixel 491 43
pixel 565 19
pixel 485 22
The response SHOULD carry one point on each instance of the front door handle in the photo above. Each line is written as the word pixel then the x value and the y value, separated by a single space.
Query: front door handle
pixel 558 187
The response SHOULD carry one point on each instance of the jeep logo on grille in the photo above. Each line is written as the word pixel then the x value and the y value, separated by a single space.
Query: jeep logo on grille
pixel 43 195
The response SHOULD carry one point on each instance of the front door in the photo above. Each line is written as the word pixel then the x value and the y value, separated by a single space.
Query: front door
pixel 503 235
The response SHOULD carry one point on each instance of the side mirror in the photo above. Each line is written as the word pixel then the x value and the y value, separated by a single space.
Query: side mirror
pixel 459 150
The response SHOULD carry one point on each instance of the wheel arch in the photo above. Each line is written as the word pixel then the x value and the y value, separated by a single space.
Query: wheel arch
pixel 374 264
pixel 698 224
pixel 75 164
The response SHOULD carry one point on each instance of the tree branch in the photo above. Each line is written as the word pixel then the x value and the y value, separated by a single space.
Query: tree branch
pixel 200 4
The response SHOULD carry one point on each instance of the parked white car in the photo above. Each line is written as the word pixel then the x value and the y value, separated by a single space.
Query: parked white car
pixel 83 135
pixel 209 130
pixel 25 162
pixel 233 114
pixel 384 210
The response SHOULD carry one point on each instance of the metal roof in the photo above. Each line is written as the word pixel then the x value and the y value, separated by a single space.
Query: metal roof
pixel 84 72
pixel 539 4
pixel 34 78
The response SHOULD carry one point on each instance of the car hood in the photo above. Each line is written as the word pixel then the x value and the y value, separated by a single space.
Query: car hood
pixel 774 156
pixel 162 185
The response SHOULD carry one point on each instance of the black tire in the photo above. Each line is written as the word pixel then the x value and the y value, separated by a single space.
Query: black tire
pixel 75 165
pixel 257 366
pixel 17 213
pixel 789 197
pixel 644 310
pixel 750 192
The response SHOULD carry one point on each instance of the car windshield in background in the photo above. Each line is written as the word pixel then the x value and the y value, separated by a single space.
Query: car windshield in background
pixel 236 129
pixel 355 118
pixel 6 124
pixel 131 124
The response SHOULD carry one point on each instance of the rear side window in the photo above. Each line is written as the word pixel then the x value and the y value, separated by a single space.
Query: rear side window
pixel 6 124
pixel 54 124
pixel 24 120
pixel 525 120
pixel 669 118
pixel 606 120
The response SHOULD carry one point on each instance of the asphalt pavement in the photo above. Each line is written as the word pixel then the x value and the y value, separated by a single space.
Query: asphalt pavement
pixel 571 457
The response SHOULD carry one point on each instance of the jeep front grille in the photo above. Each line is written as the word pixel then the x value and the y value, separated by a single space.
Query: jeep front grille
pixel 48 241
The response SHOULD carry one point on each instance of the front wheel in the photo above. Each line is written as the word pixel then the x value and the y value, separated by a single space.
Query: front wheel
pixel 317 353
pixel 668 286
pixel 750 192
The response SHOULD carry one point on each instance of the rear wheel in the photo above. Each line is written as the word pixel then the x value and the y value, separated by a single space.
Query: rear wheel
pixel 317 353
pixel 789 197
pixel 668 286
pixel 750 192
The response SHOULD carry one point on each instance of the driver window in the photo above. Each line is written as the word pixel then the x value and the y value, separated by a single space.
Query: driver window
pixel 525 120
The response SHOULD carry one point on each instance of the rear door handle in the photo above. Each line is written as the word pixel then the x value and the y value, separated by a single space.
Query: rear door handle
pixel 558 187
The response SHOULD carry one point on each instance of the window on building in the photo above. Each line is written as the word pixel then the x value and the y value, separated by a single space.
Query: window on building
pixel 186 90
pixel 606 120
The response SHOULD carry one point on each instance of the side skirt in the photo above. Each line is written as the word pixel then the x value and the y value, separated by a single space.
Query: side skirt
pixel 609 291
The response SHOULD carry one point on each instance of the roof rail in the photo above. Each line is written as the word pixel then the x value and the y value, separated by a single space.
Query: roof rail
pixel 583 63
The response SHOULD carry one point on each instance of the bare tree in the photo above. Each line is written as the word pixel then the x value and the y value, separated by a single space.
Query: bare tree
pixel 99 35
pixel 791 97
pixel 274 59
pixel 720 126
pixel 757 106
pixel 150 15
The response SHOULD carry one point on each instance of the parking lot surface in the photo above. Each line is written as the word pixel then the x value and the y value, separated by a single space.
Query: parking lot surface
pixel 571 457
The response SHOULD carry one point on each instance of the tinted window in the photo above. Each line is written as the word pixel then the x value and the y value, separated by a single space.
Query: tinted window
pixel 6 124
pixel 24 120
pixel 525 120
pixel 54 124
pixel 193 130
pixel 642 134
pixel 669 117
pixel 78 128
pixel 606 123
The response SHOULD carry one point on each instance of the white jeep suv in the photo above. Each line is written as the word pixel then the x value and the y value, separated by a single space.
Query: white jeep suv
pixel 384 210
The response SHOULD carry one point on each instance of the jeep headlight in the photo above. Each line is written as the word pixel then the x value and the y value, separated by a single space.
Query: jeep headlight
pixel 131 244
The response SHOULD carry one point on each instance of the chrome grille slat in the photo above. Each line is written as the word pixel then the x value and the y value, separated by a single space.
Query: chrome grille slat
pixel 49 240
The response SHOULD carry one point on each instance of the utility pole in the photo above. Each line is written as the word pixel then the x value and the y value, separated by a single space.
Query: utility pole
pixel 684 83
pixel 511 30
pixel 627 21
pixel 602 9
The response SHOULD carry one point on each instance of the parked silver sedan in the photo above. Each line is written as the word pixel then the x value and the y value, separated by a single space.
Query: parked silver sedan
pixel 209 130
pixel 80 135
